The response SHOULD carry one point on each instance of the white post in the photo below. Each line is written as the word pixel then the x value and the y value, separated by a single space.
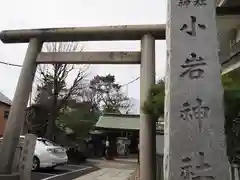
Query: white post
pixel 194 114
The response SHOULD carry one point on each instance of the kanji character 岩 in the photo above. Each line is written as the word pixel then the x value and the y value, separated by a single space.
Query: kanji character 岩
pixel 192 67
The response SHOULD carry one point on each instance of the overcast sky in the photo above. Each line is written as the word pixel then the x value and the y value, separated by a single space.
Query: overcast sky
pixel 18 14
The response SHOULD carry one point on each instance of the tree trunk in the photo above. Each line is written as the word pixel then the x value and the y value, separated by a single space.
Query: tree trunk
pixel 52 119
pixel 54 112
pixel 51 127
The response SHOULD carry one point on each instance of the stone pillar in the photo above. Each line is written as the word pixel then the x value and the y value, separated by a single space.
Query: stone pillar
pixel 147 125
pixel 16 118
pixel 26 161
pixel 194 114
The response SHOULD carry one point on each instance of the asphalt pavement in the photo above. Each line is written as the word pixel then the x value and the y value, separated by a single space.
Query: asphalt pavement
pixel 58 171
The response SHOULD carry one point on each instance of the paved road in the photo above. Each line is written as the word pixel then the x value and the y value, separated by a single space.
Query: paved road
pixel 107 174
pixel 57 171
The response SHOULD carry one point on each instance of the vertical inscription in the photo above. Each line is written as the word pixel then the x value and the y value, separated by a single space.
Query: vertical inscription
pixel 186 3
pixel 191 29
pixel 195 168
pixel 197 112
pixel 200 2
pixel 193 66
pixel 196 119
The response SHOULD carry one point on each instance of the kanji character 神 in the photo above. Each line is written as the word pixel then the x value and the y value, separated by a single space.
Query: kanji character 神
pixel 198 112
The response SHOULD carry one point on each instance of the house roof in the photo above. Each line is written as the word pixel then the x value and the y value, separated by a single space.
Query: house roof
pixel 4 99
pixel 119 121
pixel 115 121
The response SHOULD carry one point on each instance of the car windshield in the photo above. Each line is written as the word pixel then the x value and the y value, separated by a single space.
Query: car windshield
pixel 47 142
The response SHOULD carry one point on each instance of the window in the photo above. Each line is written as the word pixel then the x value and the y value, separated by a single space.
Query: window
pixel 6 113
pixel 46 142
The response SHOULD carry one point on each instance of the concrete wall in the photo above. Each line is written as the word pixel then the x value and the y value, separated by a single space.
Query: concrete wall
pixel 3 108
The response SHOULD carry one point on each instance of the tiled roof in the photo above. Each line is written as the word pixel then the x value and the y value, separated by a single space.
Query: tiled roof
pixel 5 99
pixel 120 121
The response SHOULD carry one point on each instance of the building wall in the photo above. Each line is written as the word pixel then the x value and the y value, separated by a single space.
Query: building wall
pixel 4 111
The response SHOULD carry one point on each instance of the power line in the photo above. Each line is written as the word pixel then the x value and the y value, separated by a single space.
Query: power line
pixel 18 65
pixel 130 82
pixel 10 64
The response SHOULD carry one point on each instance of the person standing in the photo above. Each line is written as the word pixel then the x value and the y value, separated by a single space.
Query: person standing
pixel 107 143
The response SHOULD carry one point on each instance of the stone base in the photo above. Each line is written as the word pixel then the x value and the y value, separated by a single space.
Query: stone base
pixel 10 176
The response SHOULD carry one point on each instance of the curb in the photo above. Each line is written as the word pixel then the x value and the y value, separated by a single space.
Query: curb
pixel 73 174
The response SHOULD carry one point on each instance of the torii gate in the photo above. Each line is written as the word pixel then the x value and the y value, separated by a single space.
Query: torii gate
pixel 194 129
pixel 146 33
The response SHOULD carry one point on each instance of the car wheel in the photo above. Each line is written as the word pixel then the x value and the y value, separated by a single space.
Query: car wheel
pixel 36 163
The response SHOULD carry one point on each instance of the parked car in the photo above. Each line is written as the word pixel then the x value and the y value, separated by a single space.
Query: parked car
pixel 47 154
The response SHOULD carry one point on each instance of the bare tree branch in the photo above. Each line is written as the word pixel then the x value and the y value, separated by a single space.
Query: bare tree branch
pixel 56 76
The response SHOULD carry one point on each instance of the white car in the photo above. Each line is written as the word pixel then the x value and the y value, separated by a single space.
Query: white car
pixel 47 154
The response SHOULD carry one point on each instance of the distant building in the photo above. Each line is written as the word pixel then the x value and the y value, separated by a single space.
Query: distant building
pixel 115 126
pixel 123 124
pixel 5 105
